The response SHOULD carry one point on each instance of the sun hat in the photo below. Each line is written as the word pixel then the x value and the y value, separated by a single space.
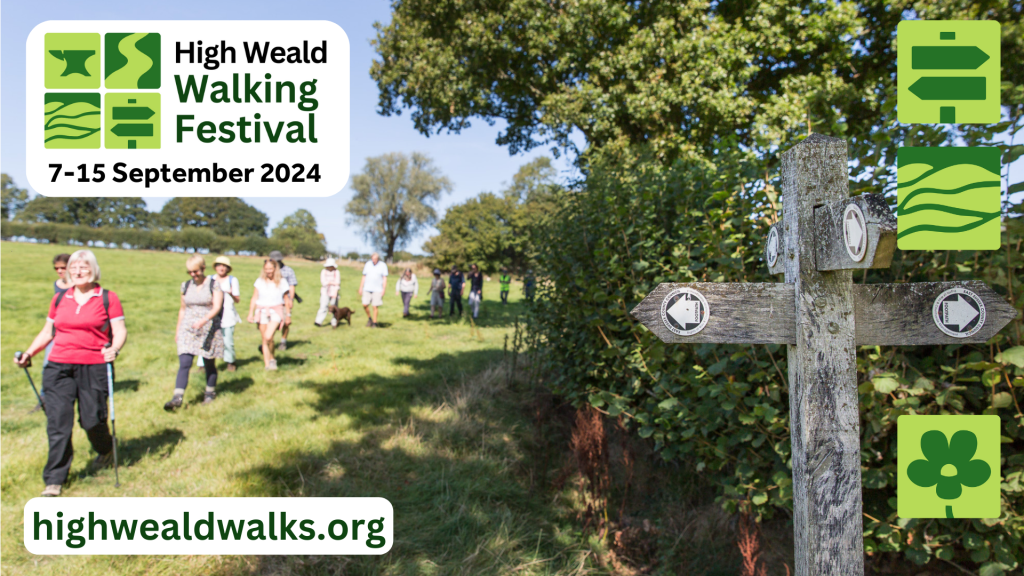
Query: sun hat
pixel 437 271
pixel 275 255
pixel 223 260
pixel 330 263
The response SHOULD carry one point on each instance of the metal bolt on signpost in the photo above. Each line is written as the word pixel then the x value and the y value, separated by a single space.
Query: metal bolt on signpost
pixel 822 316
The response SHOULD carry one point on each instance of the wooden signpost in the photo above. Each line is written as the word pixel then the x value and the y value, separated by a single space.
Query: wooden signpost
pixel 822 317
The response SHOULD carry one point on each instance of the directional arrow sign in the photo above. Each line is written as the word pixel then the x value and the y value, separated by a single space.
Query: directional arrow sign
pixel 132 130
pixel 949 88
pixel 884 314
pixel 947 58
pixel 132 113
pixel 834 228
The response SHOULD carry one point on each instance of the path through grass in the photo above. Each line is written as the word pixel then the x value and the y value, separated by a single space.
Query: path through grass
pixel 415 413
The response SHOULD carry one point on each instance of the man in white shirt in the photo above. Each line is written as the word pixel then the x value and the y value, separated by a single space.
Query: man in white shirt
pixel 372 287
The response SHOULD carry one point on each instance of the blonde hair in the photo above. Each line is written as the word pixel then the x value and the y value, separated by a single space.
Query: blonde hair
pixel 275 278
pixel 195 261
pixel 89 258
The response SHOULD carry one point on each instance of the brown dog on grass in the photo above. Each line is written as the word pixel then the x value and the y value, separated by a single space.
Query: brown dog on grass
pixel 340 314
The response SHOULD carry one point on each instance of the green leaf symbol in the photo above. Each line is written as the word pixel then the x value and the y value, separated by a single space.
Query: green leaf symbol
pixel 949 466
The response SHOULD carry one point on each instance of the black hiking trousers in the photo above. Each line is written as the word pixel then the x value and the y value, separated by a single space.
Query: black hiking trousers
pixel 456 297
pixel 66 383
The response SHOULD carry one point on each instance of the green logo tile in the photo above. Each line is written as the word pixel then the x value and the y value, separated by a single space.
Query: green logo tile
pixel 948 466
pixel 132 120
pixel 947 71
pixel 948 198
pixel 72 120
pixel 71 60
pixel 132 60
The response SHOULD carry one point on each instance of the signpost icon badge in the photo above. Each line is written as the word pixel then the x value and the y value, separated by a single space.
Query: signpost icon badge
pixel 132 120
pixel 685 311
pixel 947 71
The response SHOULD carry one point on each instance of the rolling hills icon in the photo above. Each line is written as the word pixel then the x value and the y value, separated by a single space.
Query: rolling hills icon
pixel 948 198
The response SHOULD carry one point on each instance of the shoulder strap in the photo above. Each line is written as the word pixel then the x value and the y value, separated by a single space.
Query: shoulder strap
pixel 60 298
pixel 106 308
pixel 184 287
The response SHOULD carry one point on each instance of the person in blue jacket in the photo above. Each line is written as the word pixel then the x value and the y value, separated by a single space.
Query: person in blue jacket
pixel 455 282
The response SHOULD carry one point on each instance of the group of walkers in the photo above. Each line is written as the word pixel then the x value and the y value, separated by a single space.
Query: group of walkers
pixel 85 331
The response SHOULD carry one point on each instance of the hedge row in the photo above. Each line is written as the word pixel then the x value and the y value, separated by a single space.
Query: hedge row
pixel 198 239
pixel 725 408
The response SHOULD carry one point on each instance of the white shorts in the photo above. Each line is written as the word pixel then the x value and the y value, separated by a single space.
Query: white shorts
pixel 268 315
pixel 373 298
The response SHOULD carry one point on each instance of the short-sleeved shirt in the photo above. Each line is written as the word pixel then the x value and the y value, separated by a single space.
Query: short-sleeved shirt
pixel 289 275
pixel 231 287
pixel 270 294
pixel 375 275
pixel 79 338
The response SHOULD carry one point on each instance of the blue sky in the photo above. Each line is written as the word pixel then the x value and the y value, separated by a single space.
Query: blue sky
pixel 471 160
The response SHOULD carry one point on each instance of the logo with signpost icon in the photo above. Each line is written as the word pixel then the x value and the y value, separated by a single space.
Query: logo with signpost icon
pixel 132 120
pixel 947 71
pixel 71 60
pixel 132 60
pixel 948 198
pixel 948 466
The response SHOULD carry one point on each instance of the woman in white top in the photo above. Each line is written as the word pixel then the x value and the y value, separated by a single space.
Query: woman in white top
pixel 266 308
pixel 408 288
pixel 330 280
pixel 232 295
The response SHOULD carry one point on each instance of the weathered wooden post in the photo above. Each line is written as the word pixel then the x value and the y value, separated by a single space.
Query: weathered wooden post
pixel 822 317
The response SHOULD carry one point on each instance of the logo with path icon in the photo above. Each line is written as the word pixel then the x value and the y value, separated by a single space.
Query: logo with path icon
pixel 71 60
pixel 132 60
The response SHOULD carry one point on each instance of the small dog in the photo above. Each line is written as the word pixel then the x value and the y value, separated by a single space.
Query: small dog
pixel 340 314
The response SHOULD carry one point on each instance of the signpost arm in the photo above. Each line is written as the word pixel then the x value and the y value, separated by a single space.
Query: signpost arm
pixel 824 414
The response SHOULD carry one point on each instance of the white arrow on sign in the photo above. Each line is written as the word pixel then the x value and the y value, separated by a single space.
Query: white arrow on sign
pixel 685 312
pixel 958 312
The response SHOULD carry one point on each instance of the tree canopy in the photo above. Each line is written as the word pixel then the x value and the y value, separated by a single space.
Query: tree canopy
pixel 13 199
pixel 297 234
pixel 394 197
pixel 495 231
pixel 225 216
pixel 129 212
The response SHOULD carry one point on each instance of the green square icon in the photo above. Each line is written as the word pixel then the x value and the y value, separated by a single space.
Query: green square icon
pixel 947 198
pixel 132 120
pixel 131 60
pixel 72 120
pixel 71 60
pixel 947 71
pixel 948 466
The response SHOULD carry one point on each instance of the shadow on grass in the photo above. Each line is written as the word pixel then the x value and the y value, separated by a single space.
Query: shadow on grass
pixel 492 314
pixel 235 386
pixel 131 450
pixel 121 385
pixel 447 450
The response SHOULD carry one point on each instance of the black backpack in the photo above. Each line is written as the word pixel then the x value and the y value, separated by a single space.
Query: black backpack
pixel 106 308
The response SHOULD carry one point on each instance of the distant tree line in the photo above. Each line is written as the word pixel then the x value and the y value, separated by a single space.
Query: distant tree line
pixel 215 224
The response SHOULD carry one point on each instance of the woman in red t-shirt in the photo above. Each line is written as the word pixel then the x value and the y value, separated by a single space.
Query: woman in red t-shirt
pixel 88 331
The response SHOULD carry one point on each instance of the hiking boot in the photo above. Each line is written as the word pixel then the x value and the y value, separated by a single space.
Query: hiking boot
pixel 230 367
pixel 209 397
pixel 103 461
pixel 174 402
pixel 369 323
pixel 51 490
pixel 282 346
pixel 272 365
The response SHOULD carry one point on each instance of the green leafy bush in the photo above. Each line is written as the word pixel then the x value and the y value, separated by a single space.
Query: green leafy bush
pixel 726 407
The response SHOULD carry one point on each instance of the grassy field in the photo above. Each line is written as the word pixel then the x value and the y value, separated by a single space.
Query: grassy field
pixel 418 412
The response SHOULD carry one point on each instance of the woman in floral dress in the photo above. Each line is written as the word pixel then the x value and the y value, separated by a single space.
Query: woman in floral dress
pixel 198 332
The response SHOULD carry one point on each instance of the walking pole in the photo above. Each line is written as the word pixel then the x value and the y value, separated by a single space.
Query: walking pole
pixel 113 424
pixel 17 356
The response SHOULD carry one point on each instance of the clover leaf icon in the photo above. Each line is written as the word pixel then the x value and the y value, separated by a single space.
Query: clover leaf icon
pixel 949 466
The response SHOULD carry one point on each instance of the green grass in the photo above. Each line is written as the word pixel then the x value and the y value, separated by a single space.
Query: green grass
pixel 418 413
